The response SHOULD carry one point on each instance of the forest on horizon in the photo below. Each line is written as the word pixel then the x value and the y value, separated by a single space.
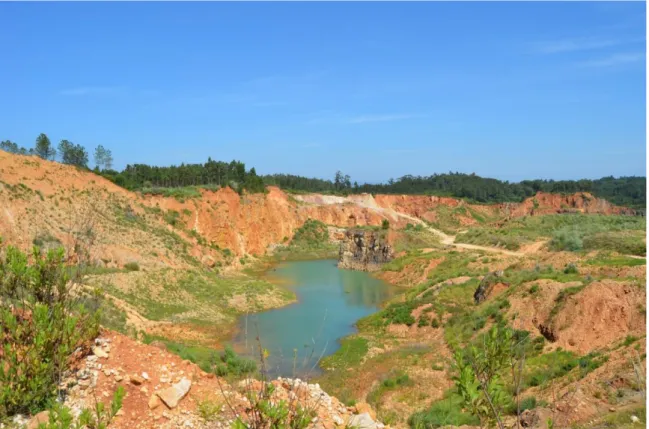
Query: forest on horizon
pixel 624 191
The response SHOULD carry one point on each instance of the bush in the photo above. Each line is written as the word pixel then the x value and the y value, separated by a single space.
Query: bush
pixel 385 224
pixel 209 410
pixel 312 234
pixel 447 411
pixel 172 217
pixel 43 322
pixel 423 321
pixel 566 240
pixel 571 269
pixel 132 266
pixel 46 239
pixel 630 339
pixel 229 363
pixel 399 313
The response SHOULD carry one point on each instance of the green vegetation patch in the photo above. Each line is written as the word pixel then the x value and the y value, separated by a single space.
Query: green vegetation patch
pixel 571 232
pixel 199 297
pixel 394 380
pixel 225 363
pixel 616 261
pixel 448 411
pixel 351 352
pixel 540 369
pixel 310 241
pixel 415 237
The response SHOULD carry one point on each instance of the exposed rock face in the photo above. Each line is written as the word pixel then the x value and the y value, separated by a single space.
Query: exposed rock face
pixel 486 286
pixel 179 384
pixel 243 225
pixel 363 251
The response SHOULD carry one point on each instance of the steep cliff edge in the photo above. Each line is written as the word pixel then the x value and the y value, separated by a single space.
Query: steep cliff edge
pixel 364 251
pixel 44 201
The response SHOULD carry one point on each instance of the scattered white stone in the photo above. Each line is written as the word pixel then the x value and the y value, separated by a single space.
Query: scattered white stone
pixel 635 419
pixel 145 376
pixel 362 421
pixel 172 395
pixel 99 352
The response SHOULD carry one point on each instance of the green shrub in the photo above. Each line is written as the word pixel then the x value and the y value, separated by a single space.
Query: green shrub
pixel 445 412
pixel 132 266
pixel 630 339
pixel 528 403
pixel 571 269
pixel 312 234
pixel 399 313
pixel 229 363
pixel 60 416
pixel 566 240
pixel 385 224
pixel 172 217
pixel 46 239
pixel 423 321
pixel 208 410
pixel 42 324
pixel 395 380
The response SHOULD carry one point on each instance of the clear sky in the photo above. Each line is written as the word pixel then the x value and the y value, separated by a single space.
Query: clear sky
pixel 377 90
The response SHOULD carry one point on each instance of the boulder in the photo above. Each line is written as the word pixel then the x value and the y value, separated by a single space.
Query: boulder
pixel 486 286
pixel 364 407
pixel 99 352
pixel 41 418
pixel 137 380
pixel 154 402
pixel 536 418
pixel 172 395
pixel 362 421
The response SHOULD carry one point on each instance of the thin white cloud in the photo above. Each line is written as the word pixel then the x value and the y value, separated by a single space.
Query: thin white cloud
pixel 615 60
pixel 574 45
pixel 92 90
pixel 382 118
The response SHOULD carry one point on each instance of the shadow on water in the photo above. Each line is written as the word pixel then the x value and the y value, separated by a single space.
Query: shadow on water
pixel 330 302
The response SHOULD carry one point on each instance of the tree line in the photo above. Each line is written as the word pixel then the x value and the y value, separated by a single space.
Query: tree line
pixel 68 152
pixel 219 173
pixel 625 191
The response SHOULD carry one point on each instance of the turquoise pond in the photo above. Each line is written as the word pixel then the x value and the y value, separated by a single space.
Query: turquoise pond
pixel 330 302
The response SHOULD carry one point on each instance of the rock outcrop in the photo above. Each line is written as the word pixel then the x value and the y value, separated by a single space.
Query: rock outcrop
pixel 486 286
pixel 172 389
pixel 363 251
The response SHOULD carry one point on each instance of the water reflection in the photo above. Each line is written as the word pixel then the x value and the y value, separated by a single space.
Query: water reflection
pixel 330 301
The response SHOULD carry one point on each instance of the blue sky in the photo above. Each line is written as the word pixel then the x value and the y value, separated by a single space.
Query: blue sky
pixel 377 90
